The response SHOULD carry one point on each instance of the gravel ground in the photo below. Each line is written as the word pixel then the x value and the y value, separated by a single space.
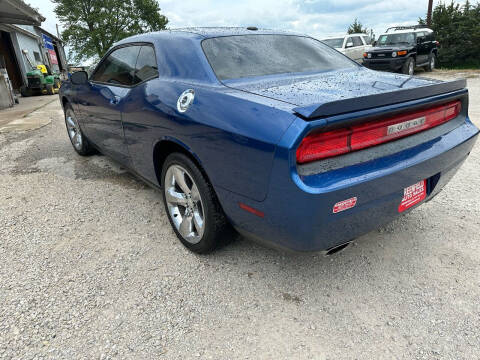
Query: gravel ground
pixel 90 269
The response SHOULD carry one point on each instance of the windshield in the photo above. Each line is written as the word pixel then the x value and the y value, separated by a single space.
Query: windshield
pixel 334 43
pixel 235 57
pixel 396 39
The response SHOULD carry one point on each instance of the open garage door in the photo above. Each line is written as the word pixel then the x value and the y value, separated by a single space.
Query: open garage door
pixel 9 61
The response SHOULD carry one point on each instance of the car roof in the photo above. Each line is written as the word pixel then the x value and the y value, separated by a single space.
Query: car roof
pixel 403 31
pixel 344 36
pixel 230 31
pixel 201 33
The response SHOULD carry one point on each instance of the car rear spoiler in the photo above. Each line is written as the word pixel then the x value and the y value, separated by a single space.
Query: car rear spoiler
pixel 372 101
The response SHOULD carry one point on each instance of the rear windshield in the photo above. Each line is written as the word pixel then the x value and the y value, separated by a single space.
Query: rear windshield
pixel 334 43
pixel 235 57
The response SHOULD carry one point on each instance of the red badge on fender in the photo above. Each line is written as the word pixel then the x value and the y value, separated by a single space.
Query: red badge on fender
pixel 344 205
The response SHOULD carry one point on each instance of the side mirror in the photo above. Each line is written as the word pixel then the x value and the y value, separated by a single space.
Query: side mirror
pixel 349 44
pixel 79 78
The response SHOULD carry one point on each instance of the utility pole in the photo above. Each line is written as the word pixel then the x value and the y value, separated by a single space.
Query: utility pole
pixel 429 13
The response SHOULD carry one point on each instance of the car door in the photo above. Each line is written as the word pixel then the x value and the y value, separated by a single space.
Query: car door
pixel 349 48
pixel 102 102
pixel 422 48
pixel 141 110
pixel 367 43
pixel 356 52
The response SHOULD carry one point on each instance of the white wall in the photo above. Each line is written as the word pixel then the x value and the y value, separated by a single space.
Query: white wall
pixel 25 42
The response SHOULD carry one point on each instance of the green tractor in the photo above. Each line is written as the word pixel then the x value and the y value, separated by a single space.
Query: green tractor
pixel 41 81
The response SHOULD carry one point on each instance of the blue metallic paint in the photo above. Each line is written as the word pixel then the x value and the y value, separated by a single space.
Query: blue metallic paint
pixel 244 134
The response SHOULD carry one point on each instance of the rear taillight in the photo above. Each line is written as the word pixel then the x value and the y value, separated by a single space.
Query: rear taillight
pixel 323 145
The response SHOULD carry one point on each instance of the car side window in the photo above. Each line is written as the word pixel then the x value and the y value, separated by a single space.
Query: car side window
pixel 357 41
pixel 367 39
pixel 421 37
pixel 146 67
pixel 119 67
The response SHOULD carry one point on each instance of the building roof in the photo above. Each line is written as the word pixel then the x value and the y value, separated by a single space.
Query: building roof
pixel 54 37
pixel 17 12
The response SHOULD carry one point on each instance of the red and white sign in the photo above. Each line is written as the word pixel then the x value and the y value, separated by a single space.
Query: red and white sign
pixel 344 205
pixel 412 195
pixel 53 56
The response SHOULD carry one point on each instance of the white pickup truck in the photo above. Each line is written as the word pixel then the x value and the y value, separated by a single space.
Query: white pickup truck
pixel 352 45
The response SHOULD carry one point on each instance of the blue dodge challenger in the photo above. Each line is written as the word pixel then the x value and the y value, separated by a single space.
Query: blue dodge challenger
pixel 270 133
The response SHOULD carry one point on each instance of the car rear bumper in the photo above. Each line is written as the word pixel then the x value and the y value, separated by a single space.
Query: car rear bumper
pixel 298 211
pixel 385 64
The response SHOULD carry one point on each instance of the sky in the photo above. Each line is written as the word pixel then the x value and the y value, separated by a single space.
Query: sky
pixel 318 18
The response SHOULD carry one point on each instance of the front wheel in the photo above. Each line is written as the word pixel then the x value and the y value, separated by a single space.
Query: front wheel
pixel 25 91
pixel 192 206
pixel 409 67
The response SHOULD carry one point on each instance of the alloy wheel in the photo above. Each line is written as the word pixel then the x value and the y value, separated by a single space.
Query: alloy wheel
pixel 184 203
pixel 410 68
pixel 74 130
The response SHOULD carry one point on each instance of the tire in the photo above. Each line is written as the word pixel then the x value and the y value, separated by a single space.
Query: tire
pixel 79 142
pixel 25 91
pixel 56 84
pixel 50 90
pixel 409 67
pixel 432 62
pixel 192 206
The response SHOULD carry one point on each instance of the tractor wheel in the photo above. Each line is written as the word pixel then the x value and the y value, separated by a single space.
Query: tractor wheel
pixel 50 90
pixel 25 91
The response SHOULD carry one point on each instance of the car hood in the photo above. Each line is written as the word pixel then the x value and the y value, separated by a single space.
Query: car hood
pixel 326 87
pixel 380 49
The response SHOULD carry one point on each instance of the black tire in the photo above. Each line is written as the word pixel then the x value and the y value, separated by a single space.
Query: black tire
pixel 85 149
pixel 25 91
pixel 432 62
pixel 408 66
pixel 56 84
pixel 50 90
pixel 217 230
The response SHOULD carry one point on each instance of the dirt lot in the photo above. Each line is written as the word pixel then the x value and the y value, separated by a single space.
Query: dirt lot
pixel 90 269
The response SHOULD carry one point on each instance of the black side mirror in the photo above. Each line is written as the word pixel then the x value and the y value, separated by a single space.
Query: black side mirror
pixel 79 78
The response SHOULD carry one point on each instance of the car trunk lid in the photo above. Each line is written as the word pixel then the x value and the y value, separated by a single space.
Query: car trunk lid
pixel 308 92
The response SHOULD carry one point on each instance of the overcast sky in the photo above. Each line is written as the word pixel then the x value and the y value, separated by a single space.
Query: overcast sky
pixel 318 18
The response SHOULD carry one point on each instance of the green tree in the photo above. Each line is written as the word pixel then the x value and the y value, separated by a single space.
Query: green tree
pixel 457 29
pixel 356 28
pixel 93 26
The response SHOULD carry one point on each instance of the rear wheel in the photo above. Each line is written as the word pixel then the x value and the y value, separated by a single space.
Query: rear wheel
pixel 192 206
pixel 432 62
pixel 50 90
pixel 409 67
pixel 78 140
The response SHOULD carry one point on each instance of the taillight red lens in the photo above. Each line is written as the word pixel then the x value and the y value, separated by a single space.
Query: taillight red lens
pixel 323 145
